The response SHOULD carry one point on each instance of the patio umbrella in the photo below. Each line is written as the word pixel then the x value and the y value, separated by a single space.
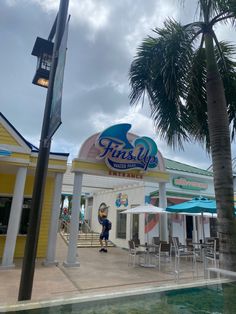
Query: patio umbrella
pixel 194 206
pixel 198 205
pixel 144 209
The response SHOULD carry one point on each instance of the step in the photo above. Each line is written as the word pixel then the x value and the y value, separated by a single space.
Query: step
pixel 86 240
pixel 84 245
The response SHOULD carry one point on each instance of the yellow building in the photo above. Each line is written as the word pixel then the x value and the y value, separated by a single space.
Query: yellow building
pixel 18 160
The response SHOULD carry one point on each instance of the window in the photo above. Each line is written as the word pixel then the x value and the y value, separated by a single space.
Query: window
pixel 121 225
pixel 25 216
pixel 5 208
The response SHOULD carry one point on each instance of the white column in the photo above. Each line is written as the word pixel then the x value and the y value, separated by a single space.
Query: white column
pixel 194 235
pixel 163 217
pixel 86 210
pixel 53 229
pixel 14 219
pixel 74 222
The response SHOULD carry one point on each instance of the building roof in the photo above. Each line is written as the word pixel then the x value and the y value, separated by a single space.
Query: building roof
pixel 233 166
pixel 178 166
pixel 93 183
pixel 32 147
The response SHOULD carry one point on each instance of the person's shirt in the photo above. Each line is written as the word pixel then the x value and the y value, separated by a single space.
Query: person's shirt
pixel 105 223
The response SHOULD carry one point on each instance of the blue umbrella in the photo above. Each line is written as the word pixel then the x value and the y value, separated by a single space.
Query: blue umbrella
pixel 196 205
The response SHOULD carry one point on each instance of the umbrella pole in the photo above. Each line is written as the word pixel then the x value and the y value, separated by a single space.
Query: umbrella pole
pixel 203 230
pixel 194 235
pixel 145 224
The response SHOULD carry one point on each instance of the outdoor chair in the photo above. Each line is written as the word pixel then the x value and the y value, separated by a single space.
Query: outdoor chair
pixel 183 252
pixel 189 244
pixel 209 240
pixel 156 240
pixel 134 253
pixel 136 242
pixel 180 245
pixel 162 251
pixel 211 253
pixel 156 244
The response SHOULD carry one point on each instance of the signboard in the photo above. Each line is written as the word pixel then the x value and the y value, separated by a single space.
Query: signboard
pixel 55 116
pixel 189 184
pixel 120 154
pixel 121 199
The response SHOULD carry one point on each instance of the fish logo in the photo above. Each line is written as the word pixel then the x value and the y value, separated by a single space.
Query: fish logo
pixel 121 155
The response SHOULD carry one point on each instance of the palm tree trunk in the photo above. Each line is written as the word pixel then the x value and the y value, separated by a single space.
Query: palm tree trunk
pixel 221 159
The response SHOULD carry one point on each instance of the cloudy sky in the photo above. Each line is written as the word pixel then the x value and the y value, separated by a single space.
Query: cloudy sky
pixel 103 38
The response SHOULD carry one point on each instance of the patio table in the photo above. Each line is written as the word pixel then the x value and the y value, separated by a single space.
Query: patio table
pixel 148 247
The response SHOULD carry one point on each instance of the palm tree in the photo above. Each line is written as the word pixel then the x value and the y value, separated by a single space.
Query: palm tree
pixel 189 78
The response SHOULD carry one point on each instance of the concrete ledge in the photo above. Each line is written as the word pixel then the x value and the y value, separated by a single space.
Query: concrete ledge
pixel 4 267
pixel 67 264
pixel 29 305
pixel 47 263
pixel 220 271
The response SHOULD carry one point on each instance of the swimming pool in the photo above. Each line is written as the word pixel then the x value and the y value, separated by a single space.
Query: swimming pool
pixel 214 298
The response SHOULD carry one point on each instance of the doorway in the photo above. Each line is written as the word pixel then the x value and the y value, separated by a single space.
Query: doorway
pixel 135 227
pixel 189 227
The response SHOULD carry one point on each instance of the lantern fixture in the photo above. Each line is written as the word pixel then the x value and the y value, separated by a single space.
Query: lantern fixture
pixel 43 50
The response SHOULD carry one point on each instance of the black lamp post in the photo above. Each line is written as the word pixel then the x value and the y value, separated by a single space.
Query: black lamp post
pixel 43 50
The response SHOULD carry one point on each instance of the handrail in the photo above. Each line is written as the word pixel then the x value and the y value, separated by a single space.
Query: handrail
pixel 87 230
pixel 84 228
pixel 64 227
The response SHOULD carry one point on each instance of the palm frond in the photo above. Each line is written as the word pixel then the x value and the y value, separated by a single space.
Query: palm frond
pixel 223 6
pixel 196 102
pixel 160 68
pixel 223 10
pixel 140 70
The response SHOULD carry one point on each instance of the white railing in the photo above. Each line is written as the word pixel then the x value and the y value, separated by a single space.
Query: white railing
pixel 84 231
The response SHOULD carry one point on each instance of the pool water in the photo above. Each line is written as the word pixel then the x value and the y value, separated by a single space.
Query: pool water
pixel 217 299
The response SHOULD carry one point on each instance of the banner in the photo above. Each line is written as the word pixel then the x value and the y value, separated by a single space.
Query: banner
pixel 55 117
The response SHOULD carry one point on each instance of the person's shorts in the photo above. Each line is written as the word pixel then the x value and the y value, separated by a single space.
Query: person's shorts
pixel 104 236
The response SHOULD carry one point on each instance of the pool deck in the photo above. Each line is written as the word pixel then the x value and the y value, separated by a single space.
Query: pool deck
pixel 98 273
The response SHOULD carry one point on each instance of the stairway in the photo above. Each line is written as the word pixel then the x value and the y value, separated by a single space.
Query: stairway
pixel 88 239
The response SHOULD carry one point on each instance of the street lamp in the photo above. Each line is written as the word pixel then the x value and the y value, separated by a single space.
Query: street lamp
pixel 53 66
pixel 43 50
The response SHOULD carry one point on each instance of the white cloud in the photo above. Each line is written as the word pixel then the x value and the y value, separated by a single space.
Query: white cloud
pixel 11 2
pixel 47 5
pixel 146 23
pixel 94 13
pixel 103 38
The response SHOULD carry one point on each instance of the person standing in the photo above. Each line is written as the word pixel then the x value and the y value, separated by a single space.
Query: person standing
pixel 104 236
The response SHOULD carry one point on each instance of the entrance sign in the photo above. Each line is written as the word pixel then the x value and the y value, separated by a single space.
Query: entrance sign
pixel 121 155
pixel 126 175
pixel 117 145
